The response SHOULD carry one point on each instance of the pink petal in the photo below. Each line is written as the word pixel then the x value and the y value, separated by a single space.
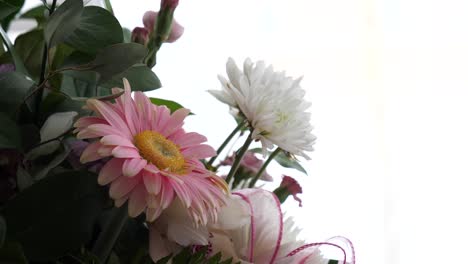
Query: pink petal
pixel 132 167
pixel 125 152
pixel 175 121
pixel 104 130
pixel 110 171
pixel 153 213
pixel 116 140
pixel 86 133
pixel 119 202
pixel 137 201
pixel 199 152
pixel 157 245
pixel 152 182
pixel 182 193
pixel 110 115
pixel 90 153
pixel 105 151
pixel 189 139
pixel 89 120
pixel 129 109
pixel 145 109
pixel 151 168
pixel 162 116
pixel 122 186
pixel 167 194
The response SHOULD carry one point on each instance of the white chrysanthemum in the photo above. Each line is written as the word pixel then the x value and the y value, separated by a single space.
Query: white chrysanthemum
pixel 273 104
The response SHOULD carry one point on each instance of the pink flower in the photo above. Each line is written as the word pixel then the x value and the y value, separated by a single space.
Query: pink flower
pixel 153 160
pixel 290 187
pixel 176 30
pixel 250 164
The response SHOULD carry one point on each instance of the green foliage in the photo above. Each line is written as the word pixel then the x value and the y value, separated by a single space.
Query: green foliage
pixel 170 104
pixel 55 215
pixel 8 7
pixel 38 13
pixel 9 133
pixel 63 22
pixel 115 59
pixel 12 253
pixel 284 160
pixel 331 261
pixel 30 47
pixel 186 256
pixel 96 29
pixel 12 53
pixel 3 229
pixel 140 77
pixel 15 86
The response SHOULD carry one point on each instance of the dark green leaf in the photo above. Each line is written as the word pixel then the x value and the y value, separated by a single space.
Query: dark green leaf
pixel 9 133
pixel 14 89
pixel 165 260
pixel 63 22
pixel 115 59
pixel 8 7
pixel 140 77
pixel 96 29
pixel 284 160
pixel 170 104
pixel 3 230
pixel 38 13
pixel 30 47
pixel 56 215
pixel 12 51
pixel 331 261
pixel 12 253
pixel 7 20
pixel 214 259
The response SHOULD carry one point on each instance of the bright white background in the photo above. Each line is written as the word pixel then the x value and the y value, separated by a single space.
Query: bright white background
pixel 388 84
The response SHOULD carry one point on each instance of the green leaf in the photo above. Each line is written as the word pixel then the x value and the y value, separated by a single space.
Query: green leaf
pixel 38 13
pixel 8 7
pixel 127 35
pixel 30 47
pixel 284 160
pixel 12 253
pixel 14 55
pixel 165 260
pixel 140 77
pixel 3 230
pixel 14 89
pixel 115 59
pixel 56 215
pixel 215 259
pixel 332 261
pixel 10 136
pixel 173 106
pixel 63 22
pixel 96 29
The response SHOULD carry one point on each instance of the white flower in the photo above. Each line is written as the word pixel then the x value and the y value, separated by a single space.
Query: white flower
pixel 273 104
pixel 257 234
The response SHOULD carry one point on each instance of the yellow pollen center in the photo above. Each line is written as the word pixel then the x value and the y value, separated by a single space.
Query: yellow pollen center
pixel 160 151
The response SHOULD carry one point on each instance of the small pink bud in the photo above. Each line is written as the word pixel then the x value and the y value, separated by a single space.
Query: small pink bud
pixel 176 30
pixel 140 35
pixel 172 4
pixel 292 187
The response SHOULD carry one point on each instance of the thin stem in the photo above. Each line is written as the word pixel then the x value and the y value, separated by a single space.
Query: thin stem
pixel 226 141
pixel 238 158
pixel 263 168
pixel 45 54
pixel 111 232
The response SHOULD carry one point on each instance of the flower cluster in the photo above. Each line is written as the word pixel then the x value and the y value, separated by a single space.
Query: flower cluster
pixel 95 171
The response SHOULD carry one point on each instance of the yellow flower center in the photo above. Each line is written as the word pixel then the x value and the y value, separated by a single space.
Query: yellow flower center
pixel 160 151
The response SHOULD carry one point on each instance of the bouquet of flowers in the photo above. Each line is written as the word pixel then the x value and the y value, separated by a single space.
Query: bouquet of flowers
pixel 95 171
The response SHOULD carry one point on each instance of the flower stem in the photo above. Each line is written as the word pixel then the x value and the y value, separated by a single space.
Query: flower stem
pixel 263 168
pixel 226 141
pixel 238 159
pixel 111 232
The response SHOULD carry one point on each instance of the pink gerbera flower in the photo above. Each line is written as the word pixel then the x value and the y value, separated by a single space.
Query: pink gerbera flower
pixel 152 159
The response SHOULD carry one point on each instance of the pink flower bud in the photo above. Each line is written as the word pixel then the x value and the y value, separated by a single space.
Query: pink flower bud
pixel 176 30
pixel 172 4
pixel 140 35
pixel 292 187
